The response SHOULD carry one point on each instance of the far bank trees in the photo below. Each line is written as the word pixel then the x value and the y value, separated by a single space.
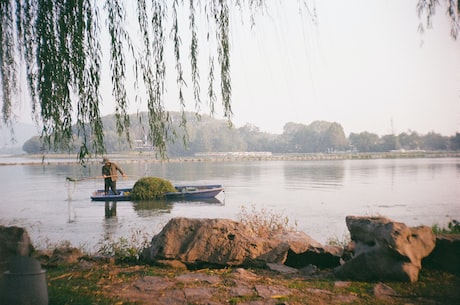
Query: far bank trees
pixel 319 136
pixel 211 135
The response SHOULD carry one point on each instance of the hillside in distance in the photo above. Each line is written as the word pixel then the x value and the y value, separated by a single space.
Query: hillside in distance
pixel 208 134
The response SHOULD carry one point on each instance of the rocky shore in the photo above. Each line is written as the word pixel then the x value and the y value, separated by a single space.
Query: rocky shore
pixel 220 261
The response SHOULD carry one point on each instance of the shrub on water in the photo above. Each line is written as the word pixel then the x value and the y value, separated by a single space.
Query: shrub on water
pixel 149 188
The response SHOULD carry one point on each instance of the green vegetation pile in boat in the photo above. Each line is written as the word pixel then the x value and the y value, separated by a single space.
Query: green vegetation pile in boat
pixel 183 192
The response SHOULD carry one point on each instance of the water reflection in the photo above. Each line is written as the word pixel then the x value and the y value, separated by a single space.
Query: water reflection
pixel 195 171
pixel 110 223
pixel 149 208
pixel 314 175
pixel 110 209
pixel 177 172
pixel 209 201
pixel 70 211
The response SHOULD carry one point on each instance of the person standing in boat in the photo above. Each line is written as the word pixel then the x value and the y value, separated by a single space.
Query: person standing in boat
pixel 110 173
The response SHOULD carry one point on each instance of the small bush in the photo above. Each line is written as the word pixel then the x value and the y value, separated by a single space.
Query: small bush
pixel 343 242
pixel 264 223
pixel 125 249
pixel 149 188
pixel 452 228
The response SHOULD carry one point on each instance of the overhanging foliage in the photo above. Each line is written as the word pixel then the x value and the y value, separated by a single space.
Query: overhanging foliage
pixel 59 42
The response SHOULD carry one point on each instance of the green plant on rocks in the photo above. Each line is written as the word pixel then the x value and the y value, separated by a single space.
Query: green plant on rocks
pixel 452 228
pixel 149 188
pixel 125 249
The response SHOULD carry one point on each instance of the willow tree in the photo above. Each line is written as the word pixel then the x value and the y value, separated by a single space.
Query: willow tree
pixel 59 44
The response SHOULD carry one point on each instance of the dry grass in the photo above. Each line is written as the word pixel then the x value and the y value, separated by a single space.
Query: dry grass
pixel 264 222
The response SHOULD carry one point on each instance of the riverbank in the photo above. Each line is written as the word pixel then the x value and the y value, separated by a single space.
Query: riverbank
pixel 146 157
pixel 101 281
pixel 73 277
pixel 127 280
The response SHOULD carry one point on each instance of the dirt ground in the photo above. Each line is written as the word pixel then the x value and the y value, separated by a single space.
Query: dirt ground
pixel 168 286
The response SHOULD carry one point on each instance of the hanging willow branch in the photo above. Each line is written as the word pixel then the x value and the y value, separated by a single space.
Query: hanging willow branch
pixel 427 9
pixel 53 76
pixel 8 65
pixel 222 20
pixel 57 43
pixel 194 55
pixel 118 36
pixel 89 97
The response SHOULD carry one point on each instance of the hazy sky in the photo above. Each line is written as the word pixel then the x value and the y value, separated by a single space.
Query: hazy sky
pixel 362 64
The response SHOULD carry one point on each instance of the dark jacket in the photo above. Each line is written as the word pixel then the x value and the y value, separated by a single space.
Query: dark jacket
pixel 110 169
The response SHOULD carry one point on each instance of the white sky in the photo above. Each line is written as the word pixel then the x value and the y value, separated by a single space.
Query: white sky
pixel 363 65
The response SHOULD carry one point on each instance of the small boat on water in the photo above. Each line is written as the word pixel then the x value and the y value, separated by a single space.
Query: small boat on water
pixel 184 192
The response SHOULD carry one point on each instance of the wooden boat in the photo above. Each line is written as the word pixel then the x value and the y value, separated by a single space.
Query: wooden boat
pixel 184 192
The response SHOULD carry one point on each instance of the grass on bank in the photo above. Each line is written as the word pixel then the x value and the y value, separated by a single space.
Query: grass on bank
pixel 98 282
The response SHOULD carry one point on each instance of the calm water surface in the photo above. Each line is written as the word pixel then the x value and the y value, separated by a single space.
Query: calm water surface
pixel 315 196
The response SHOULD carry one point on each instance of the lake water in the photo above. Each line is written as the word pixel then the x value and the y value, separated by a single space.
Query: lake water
pixel 315 196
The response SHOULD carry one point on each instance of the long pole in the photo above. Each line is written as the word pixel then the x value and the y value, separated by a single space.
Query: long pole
pixel 93 177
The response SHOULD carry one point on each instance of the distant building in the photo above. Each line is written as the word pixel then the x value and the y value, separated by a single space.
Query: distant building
pixel 143 145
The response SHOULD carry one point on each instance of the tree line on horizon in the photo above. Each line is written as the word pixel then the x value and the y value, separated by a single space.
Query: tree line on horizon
pixel 206 134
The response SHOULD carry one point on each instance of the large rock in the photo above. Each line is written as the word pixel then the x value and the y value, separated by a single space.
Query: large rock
pixel 385 250
pixel 225 242
pixel 212 241
pixel 14 241
pixel 304 251
pixel 446 254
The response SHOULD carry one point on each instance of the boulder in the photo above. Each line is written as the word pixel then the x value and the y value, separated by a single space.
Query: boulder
pixel 385 250
pixel 65 255
pixel 214 242
pixel 446 254
pixel 304 251
pixel 224 242
pixel 14 241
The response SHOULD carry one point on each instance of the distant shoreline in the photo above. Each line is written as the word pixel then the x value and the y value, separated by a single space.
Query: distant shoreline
pixel 35 159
